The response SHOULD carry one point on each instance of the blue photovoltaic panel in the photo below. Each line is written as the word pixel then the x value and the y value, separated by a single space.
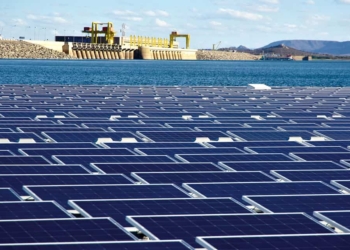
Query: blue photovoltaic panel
pixel 182 136
pixel 343 144
pixel 296 242
pixel 17 181
pixel 7 194
pixel 233 129
pixel 336 157
pixel 118 209
pixel 287 150
pixel 299 203
pixel 195 177
pixel 64 193
pixel 121 245
pixel 232 157
pixel 15 146
pixel 188 227
pixel 48 153
pixel 153 145
pixel 23 160
pixel 127 168
pixel 39 130
pixel 87 136
pixel 313 175
pixel 338 219
pixel 145 129
pixel 15 137
pixel 237 190
pixel 272 136
pixel 242 145
pixel 6 152
pixel 42 169
pixel 15 210
pixel 267 166
pixel 335 134
pixel 61 230
pixel 86 160
pixel 173 151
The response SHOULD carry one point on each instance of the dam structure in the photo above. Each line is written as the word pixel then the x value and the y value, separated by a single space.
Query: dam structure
pixel 103 44
pixel 174 167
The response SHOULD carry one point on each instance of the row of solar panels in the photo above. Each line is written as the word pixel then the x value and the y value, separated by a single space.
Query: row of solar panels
pixel 223 168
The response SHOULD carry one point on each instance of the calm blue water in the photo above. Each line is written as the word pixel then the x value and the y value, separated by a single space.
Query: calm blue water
pixel 194 73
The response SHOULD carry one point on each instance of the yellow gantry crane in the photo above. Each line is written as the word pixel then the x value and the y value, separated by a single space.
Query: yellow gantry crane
pixel 173 37
pixel 107 30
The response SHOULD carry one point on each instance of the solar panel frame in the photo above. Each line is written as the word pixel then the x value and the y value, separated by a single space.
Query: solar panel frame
pixel 32 193
pixel 69 215
pixel 122 229
pixel 99 166
pixel 110 245
pixel 279 173
pixel 41 167
pixel 249 199
pixel 12 192
pixel 143 228
pixel 234 206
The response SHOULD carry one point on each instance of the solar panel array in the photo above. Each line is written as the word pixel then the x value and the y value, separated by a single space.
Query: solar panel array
pixel 119 167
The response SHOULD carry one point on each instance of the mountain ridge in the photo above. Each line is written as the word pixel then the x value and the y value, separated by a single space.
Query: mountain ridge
pixel 315 46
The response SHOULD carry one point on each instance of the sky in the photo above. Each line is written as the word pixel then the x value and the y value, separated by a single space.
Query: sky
pixel 252 23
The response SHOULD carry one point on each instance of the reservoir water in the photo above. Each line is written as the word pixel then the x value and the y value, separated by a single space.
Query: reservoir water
pixel 169 73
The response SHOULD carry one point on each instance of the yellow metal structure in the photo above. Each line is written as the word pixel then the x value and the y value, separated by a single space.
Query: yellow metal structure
pixel 108 31
pixel 149 42
pixel 174 35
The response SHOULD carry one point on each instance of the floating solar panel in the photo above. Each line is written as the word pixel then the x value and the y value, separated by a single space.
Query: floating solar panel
pixel 242 145
pixel 17 181
pixel 18 137
pixel 237 190
pixel 188 227
pixel 42 169
pixel 86 160
pixel 297 242
pixel 63 193
pixel 299 203
pixel 336 157
pixel 48 153
pixel 174 151
pixel 120 245
pixel 15 210
pixel 61 230
pixel 193 136
pixel 338 219
pixel 287 150
pixel 195 177
pixel 88 136
pixel 119 209
pixel 231 157
pixel 272 136
pixel 312 175
pixel 343 144
pixel 13 147
pixel 335 134
pixel 267 166
pixel 127 168
pixel 23 160
pixel 7 194
pixel 151 145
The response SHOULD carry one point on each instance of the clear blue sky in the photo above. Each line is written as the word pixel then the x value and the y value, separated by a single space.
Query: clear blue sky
pixel 253 23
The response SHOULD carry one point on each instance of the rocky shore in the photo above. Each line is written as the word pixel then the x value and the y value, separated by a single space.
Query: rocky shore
pixel 224 55
pixel 24 50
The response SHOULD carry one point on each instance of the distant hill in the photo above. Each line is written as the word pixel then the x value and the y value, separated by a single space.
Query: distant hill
pixel 315 46
pixel 281 50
